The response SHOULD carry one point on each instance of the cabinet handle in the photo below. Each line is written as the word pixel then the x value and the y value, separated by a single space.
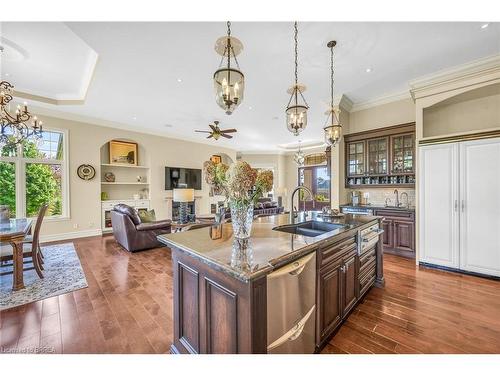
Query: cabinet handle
pixel 456 204
pixel 463 205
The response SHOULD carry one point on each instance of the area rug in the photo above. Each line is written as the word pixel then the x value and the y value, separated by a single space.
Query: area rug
pixel 63 274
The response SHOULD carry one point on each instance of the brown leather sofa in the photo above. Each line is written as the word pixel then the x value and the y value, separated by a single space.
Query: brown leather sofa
pixel 131 233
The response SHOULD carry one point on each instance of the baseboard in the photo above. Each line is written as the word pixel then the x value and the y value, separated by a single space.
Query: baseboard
pixel 70 235
pixel 456 270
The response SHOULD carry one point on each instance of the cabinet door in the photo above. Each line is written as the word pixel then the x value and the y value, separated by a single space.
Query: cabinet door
pixel 438 205
pixel 330 304
pixel 356 158
pixel 404 235
pixel 402 153
pixel 480 206
pixel 349 285
pixel 388 235
pixel 377 156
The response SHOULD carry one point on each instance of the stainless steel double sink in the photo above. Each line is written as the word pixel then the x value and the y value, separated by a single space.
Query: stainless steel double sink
pixel 309 228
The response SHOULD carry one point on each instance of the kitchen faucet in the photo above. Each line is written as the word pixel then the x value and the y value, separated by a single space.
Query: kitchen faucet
pixel 397 197
pixel 292 208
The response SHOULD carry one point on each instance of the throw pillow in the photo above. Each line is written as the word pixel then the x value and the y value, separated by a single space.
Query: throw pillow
pixel 147 216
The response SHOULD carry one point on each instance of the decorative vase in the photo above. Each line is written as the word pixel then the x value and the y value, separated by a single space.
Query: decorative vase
pixel 242 255
pixel 241 218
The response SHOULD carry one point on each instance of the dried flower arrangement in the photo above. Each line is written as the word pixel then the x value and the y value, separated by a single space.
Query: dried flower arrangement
pixel 240 183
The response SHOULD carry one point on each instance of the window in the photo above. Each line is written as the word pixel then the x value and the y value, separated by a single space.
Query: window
pixel 317 179
pixel 35 173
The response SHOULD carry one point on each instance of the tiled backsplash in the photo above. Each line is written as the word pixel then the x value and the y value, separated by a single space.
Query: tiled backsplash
pixel 378 195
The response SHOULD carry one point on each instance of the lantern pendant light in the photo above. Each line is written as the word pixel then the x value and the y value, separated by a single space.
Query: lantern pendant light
pixel 333 128
pixel 299 157
pixel 296 110
pixel 229 81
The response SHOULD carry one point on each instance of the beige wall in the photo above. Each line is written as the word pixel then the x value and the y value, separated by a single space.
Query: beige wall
pixel 85 141
pixel 471 111
pixel 395 113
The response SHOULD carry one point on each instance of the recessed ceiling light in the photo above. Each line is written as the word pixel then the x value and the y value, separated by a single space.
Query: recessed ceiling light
pixel 168 125
pixel 368 70
pixel 484 26
pixel 6 74
pixel 179 80
pixel 275 118
pixel 250 108
pixel 134 118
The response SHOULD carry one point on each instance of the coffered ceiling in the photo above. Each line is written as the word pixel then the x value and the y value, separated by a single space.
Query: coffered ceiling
pixel 157 77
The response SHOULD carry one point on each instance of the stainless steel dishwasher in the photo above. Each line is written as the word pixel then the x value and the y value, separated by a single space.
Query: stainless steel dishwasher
pixel 291 296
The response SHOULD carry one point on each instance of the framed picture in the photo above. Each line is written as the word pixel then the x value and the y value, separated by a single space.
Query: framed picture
pixel 121 152
pixel 216 159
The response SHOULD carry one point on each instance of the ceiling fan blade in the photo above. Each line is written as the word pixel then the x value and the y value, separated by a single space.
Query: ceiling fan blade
pixel 229 131
pixel 210 136
pixel 214 128
pixel 202 131
pixel 226 136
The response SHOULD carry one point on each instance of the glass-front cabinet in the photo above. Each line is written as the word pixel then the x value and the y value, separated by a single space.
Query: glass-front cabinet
pixel 383 157
pixel 356 158
pixel 403 147
pixel 377 156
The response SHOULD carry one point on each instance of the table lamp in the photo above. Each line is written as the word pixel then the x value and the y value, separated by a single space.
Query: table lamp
pixel 183 196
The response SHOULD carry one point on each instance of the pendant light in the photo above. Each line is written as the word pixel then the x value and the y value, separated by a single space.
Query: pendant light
pixel 299 157
pixel 333 129
pixel 296 110
pixel 229 81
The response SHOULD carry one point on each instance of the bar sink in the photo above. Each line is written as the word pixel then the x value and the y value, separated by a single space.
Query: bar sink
pixel 309 228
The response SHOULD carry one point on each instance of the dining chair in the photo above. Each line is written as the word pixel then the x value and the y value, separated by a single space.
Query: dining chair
pixel 31 246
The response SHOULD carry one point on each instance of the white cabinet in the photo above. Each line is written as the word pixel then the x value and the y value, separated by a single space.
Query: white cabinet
pixel 438 213
pixel 459 205
pixel 480 206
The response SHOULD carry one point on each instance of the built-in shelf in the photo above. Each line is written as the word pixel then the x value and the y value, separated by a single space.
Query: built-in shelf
pixel 124 166
pixel 123 183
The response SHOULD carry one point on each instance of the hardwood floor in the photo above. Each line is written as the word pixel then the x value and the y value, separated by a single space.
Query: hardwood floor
pixel 127 308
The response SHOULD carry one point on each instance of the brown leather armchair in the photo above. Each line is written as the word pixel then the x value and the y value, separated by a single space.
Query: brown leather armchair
pixel 131 233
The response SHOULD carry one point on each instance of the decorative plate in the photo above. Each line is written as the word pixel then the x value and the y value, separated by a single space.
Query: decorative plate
pixel 86 172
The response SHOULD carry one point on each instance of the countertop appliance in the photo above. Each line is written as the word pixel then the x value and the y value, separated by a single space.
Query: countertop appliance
pixel 291 307
pixel 359 210
pixel 355 197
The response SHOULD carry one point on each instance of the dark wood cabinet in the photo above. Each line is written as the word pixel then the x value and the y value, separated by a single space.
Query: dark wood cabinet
pixel 330 299
pixel 337 285
pixel 349 296
pixel 399 231
pixel 381 158
pixel 388 235
pixel 404 233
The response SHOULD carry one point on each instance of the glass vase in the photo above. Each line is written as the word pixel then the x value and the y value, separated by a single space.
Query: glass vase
pixel 241 218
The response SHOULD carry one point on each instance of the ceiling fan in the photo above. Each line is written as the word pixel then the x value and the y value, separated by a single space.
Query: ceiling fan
pixel 216 132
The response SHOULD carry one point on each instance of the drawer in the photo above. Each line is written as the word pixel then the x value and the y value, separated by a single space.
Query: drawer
pixel 408 215
pixel 337 250
pixel 107 205
pixel 141 204
pixel 367 260
pixel 366 281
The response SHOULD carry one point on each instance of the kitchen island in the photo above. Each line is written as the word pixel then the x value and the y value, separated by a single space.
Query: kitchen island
pixel 282 290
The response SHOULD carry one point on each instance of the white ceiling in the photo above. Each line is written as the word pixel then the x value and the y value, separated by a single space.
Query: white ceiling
pixel 135 80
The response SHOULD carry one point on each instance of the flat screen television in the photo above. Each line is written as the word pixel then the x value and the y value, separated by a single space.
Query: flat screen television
pixel 182 178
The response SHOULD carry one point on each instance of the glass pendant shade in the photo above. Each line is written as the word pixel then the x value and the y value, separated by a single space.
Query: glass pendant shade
pixel 229 85
pixel 296 118
pixel 333 132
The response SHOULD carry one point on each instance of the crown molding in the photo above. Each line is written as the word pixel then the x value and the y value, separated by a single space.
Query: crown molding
pixel 42 111
pixel 386 99
pixel 464 75
pixel 346 103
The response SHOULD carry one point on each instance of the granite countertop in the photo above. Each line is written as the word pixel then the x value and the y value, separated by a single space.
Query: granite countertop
pixel 265 250
pixel 382 207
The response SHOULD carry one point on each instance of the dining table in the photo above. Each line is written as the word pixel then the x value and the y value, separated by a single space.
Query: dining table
pixel 14 232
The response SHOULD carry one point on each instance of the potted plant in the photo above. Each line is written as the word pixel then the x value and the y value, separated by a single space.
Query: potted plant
pixel 242 186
